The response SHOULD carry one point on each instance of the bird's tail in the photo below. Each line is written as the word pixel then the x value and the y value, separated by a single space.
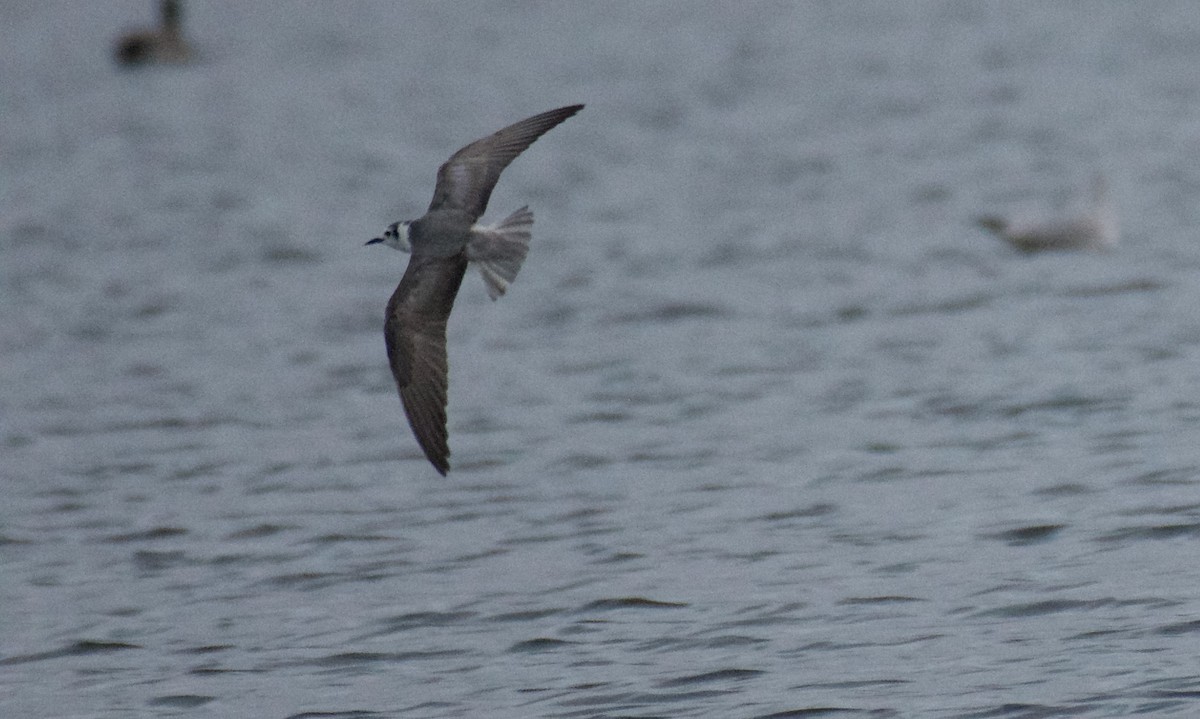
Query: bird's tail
pixel 499 250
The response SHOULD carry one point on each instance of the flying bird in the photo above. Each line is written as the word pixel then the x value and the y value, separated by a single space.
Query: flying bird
pixel 1093 228
pixel 442 244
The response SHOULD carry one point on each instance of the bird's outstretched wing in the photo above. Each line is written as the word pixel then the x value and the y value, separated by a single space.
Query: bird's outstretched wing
pixel 466 180
pixel 415 332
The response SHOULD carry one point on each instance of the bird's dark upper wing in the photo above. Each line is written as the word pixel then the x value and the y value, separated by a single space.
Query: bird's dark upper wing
pixel 465 181
pixel 415 332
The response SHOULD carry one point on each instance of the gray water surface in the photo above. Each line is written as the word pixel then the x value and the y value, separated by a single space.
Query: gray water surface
pixel 765 428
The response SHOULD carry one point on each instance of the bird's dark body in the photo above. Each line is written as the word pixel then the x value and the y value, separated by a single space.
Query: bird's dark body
pixel 440 233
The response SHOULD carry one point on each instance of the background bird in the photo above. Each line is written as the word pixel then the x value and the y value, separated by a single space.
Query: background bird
pixel 1091 228
pixel 164 44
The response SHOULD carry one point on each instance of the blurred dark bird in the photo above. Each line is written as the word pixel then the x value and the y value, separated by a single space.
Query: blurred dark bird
pixel 164 45
pixel 443 242
pixel 1092 228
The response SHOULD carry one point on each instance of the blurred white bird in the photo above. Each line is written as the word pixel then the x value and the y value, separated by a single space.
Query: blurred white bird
pixel 1093 228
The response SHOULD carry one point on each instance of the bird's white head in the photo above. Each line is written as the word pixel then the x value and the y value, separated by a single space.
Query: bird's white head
pixel 395 237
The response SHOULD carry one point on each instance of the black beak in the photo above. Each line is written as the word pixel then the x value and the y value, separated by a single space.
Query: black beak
pixel 371 242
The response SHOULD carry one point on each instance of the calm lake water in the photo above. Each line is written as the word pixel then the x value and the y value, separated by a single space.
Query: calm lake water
pixel 767 427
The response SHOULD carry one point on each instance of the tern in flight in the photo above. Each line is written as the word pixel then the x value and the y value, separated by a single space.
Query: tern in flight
pixel 442 243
